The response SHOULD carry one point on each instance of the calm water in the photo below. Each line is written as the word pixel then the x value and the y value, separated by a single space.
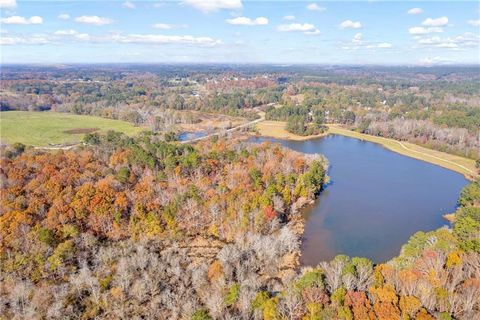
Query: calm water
pixel 191 135
pixel 376 199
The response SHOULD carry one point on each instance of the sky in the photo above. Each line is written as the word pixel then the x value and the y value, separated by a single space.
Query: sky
pixel 240 31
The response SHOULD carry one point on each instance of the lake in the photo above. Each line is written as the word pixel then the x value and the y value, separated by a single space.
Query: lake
pixel 376 199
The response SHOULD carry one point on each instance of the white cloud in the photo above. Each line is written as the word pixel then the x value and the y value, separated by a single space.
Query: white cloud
pixel 83 37
pixel 430 26
pixel 68 32
pixel 313 32
pixel 8 4
pixel 357 38
pixel 435 60
pixel 315 7
pixel 447 45
pixel 358 43
pixel 167 26
pixel 349 24
pixel 163 26
pixel 289 18
pixel 438 22
pixel 164 39
pixel 128 4
pixel 352 48
pixel 306 28
pixel 94 20
pixel 423 30
pixel 22 20
pixel 74 35
pixel 475 23
pixel 467 39
pixel 244 21
pixel 384 45
pixel 30 40
pixel 463 41
pixel 207 6
pixel 62 36
pixel 415 11
pixel 63 16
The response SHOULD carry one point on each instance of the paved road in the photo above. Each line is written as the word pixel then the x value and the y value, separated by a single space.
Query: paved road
pixel 262 118
pixel 226 131
pixel 185 141
pixel 59 148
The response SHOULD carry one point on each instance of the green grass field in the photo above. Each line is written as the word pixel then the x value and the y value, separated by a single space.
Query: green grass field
pixel 45 128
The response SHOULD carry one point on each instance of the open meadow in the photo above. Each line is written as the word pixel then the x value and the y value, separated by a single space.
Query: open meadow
pixel 47 128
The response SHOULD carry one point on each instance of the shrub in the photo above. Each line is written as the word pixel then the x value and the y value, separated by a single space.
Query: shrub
pixel 201 314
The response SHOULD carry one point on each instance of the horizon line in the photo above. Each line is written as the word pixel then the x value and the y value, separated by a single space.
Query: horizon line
pixel 280 64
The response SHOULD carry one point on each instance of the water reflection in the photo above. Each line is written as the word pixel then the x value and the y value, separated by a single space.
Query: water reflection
pixel 191 135
pixel 377 199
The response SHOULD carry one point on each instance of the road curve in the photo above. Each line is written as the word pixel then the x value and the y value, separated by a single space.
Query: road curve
pixel 185 141
pixel 226 131
pixel 262 119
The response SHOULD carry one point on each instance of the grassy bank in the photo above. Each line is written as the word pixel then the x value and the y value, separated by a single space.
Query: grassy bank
pixel 276 129
pixel 45 128
pixel 456 163
pixel 459 164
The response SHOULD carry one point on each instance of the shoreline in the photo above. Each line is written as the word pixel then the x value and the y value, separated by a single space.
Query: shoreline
pixel 275 129
pixel 464 166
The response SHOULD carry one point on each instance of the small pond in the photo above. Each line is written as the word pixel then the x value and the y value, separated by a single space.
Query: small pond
pixel 183 136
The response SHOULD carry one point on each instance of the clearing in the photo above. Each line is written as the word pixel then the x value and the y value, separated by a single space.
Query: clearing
pixel 48 128
pixel 210 121
pixel 276 129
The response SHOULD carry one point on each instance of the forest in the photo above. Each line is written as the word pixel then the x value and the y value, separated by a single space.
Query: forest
pixel 147 227
pixel 141 228
pixel 434 107
pixel 438 121
pixel 80 228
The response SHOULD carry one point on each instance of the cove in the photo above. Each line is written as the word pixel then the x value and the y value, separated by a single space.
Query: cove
pixel 375 201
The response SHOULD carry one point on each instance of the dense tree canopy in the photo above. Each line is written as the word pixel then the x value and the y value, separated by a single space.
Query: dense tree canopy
pixel 58 210
pixel 148 228
pixel 137 227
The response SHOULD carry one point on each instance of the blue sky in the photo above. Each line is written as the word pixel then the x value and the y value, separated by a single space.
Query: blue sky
pixel 236 31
